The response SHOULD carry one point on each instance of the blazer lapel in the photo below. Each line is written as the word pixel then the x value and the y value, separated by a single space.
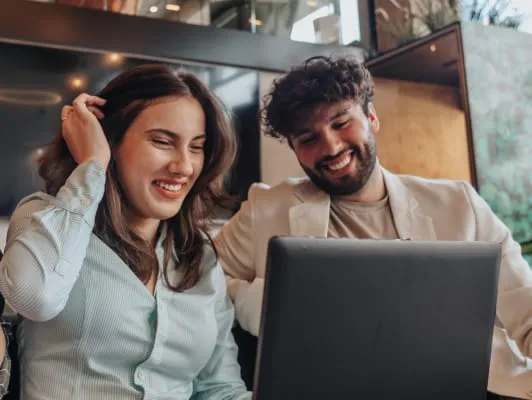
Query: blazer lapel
pixel 409 221
pixel 310 215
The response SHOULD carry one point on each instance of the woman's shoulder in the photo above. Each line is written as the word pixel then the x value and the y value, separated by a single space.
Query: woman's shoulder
pixel 32 203
pixel 36 196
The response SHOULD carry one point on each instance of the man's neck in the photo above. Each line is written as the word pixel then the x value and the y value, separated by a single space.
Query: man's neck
pixel 373 191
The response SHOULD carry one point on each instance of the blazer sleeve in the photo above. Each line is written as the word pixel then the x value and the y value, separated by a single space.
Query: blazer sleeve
pixel 514 301
pixel 235 245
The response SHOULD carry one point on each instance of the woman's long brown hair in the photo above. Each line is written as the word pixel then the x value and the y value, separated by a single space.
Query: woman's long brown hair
pixel 127 95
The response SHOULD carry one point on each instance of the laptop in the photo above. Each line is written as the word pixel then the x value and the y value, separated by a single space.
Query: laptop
pixel 376 319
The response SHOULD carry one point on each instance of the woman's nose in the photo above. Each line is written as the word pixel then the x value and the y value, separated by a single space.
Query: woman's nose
pixel 181 164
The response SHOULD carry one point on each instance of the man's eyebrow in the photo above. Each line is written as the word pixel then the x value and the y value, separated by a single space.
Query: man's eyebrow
pixel 301 132
pixel 306 130
pixel 340 113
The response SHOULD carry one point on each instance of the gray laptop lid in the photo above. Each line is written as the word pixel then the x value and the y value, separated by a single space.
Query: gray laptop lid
pixel 376 319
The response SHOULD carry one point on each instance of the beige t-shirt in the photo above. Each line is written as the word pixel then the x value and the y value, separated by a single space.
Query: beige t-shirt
pixel 349 219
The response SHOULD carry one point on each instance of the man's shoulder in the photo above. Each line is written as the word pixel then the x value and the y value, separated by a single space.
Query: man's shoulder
pixel 432 183
pixel 439 189
pixel 280 191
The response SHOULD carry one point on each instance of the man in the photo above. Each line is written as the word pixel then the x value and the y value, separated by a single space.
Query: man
pixel 323 108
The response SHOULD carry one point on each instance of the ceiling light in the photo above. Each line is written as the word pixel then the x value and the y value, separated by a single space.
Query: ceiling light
pixel 29 97
pixel 114 59
pixel 172 7
pixel 433 48
pixel 77 82
pixel 312 3
pixel 153 9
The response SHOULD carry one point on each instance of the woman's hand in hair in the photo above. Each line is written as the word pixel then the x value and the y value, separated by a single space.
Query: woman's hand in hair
pixel 83 132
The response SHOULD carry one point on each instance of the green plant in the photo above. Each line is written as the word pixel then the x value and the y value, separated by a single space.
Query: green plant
pixel 492 12
pixel 435 14
pixel 526 247
pixel 402 28
pixel 416 18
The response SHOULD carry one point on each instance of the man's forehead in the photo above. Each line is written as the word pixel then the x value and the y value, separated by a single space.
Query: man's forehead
pixel 329 110
pixel 326 112
pixel 309 118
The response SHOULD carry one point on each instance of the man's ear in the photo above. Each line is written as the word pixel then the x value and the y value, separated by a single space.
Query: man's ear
pixel 373 119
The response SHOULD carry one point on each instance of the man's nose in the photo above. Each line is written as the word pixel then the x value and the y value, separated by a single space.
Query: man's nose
pixel 331 144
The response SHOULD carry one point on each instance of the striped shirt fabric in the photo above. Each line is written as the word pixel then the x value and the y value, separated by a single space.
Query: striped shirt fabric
pixel 91 328
pixel 5 368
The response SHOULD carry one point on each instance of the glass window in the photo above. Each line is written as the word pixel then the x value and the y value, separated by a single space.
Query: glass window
pixel 524 8
pixel 512 13
pixel 313 21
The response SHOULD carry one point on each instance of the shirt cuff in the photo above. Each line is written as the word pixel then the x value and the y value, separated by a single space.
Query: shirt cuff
pixel 83 190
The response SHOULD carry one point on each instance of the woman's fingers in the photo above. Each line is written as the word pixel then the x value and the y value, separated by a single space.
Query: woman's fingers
pixel 90 100
pixel 96 111
pixel 65 112
pixel 86 105
pixel 83 132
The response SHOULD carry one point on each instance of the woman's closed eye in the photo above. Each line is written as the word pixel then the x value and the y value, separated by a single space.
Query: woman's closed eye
pixel 162 142
pixel 197 147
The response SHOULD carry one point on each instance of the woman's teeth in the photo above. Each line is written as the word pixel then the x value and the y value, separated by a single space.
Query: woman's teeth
pixel 171 188
pixel 340 164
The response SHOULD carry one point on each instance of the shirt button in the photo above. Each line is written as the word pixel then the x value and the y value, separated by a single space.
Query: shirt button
pixel 85 202
pixel 140 375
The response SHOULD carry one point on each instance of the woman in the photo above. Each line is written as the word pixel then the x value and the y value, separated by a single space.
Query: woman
pixel 122 298
pixel 5 364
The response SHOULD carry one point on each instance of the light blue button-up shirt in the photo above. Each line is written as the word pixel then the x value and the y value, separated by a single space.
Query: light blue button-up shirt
pixel 92 330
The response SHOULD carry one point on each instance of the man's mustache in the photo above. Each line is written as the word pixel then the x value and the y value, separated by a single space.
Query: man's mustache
pixel 355 150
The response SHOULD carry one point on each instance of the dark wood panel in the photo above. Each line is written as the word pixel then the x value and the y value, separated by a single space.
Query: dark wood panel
pixel 93 29
pixel 435 59
pixel 432 59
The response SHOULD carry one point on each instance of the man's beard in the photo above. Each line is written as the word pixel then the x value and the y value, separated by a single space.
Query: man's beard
pixel 349 184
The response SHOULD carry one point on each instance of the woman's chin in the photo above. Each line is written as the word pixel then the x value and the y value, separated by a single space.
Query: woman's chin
pixel 163 212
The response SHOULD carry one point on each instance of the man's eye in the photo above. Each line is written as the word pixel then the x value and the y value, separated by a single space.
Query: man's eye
pixel 307 140
pixel 340 125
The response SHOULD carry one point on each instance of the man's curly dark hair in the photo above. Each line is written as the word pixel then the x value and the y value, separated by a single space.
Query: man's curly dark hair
pixel 317 81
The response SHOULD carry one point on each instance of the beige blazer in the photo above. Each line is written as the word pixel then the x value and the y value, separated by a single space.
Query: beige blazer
pixel 422 209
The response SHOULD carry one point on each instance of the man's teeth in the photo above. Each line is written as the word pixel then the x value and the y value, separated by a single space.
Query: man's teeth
pixel 341 164
pixel 171 188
